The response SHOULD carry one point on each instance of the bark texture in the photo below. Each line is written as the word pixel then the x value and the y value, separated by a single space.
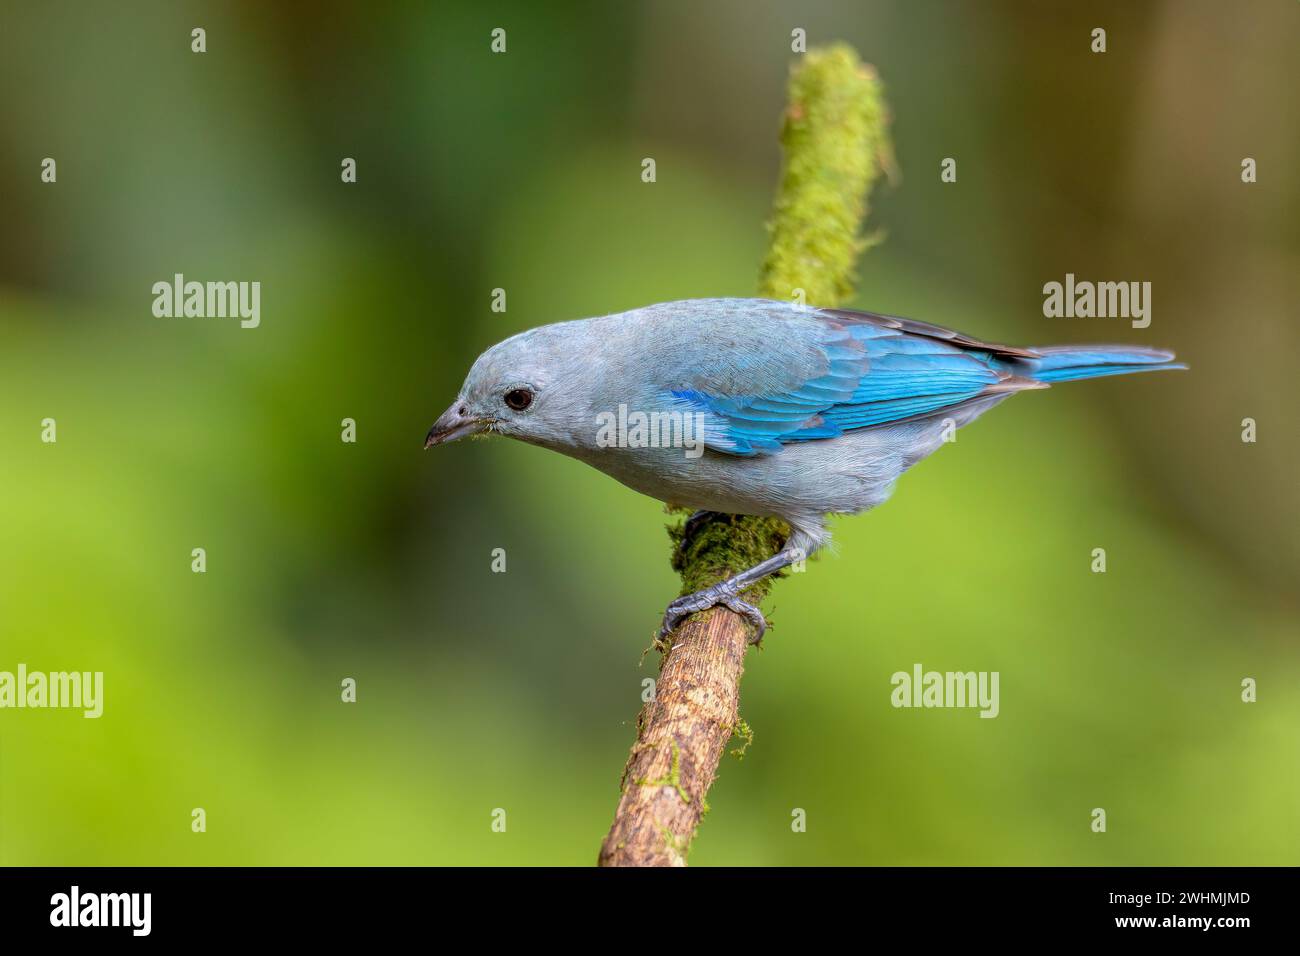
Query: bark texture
pixel 683 734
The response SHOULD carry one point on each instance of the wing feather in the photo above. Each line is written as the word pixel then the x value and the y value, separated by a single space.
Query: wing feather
pixel 870 370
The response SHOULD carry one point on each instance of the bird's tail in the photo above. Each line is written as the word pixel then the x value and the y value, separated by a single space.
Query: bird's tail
pixel 1065 363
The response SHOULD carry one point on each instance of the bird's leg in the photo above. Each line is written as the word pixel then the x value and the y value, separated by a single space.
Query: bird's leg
pixel 727 593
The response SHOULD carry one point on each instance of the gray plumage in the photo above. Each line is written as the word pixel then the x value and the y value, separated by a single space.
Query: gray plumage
pixel 806 412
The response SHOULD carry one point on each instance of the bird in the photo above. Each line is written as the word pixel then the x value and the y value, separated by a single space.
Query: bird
pixel 756 407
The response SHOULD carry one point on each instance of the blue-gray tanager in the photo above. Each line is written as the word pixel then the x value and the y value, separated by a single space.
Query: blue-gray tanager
pixel 750 406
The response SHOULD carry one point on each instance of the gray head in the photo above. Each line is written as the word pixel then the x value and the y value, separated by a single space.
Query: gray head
pixel 523 387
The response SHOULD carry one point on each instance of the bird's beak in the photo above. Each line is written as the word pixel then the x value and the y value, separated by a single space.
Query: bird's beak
pixel 452 425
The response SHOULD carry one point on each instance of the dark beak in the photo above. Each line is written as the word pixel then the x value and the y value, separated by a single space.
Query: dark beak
pixel 451 425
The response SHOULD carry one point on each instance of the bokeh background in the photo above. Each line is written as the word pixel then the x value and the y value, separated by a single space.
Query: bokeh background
pixel 519 690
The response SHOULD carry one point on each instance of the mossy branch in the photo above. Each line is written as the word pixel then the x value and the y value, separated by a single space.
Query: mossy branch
pixel 836 141
pixel 836 145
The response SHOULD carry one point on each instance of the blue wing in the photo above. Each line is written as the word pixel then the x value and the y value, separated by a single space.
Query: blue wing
pixel 873 370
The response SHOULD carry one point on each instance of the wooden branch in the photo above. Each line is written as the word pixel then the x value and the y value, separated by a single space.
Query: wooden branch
pixel 836 144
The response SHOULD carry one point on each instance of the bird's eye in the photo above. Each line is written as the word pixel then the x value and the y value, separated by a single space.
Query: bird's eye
pixel 519 398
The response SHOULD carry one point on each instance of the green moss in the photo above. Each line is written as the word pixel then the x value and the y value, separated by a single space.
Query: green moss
pixel 674 778
pixel 745 733
pixel 836 144
pixel 723 545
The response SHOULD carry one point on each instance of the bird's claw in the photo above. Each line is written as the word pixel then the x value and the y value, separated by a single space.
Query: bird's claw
pixel 718 595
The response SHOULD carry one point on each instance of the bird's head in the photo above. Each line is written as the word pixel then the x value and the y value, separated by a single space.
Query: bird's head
pixel 513 389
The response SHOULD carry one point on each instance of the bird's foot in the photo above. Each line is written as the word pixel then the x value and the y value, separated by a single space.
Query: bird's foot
pixel 722 595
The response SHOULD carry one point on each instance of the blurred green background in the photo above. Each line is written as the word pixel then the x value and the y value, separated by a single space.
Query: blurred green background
pixel 518 691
